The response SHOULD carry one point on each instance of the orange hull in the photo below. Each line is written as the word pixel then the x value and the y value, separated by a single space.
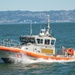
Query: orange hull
pixel 32 54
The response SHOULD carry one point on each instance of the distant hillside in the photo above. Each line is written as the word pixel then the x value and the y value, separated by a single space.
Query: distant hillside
pixel 36 17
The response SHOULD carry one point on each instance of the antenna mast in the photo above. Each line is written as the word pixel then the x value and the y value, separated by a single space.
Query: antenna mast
pixel 48 23
pixel 30 27
pixel 48 26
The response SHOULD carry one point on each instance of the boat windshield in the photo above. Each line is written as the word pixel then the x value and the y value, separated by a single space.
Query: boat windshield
pixel 40 41
pixel 25 40
pixel 52 42
pixel 47 41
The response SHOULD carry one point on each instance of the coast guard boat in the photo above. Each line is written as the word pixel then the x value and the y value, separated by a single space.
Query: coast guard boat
pixel 35 46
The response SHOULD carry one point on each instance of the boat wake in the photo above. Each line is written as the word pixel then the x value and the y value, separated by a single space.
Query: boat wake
pixel 26 60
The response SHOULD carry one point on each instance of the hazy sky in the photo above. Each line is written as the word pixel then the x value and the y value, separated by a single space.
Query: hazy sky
pixel 37 5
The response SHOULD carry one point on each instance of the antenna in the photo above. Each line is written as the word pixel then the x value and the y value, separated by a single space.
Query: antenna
pixel 30 27
pixel 48 26
pixel 48 23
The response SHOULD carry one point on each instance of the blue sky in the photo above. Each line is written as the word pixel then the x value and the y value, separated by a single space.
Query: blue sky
pixel 37 5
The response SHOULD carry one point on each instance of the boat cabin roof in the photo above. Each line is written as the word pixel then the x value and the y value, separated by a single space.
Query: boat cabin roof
pixel 40 37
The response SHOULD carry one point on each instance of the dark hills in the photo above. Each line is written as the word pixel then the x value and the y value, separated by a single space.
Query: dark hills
pixel 37 17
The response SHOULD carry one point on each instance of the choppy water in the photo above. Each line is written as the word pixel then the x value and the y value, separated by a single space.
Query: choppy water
pixel 65 35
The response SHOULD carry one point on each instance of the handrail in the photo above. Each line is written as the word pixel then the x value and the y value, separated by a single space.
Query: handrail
pixel 9 43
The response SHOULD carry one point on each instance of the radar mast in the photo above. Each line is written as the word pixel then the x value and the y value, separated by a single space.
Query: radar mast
pixel 48 26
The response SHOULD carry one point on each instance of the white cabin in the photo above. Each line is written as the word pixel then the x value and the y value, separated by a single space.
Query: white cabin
pixel 42 43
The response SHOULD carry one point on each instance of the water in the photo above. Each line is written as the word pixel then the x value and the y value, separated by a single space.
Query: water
pixel 63 32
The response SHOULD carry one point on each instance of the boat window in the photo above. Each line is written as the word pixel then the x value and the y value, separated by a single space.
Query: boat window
pixel 39 41
pixel 25 40
pixel 52 42
pixel 31 40
pixel 47 41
